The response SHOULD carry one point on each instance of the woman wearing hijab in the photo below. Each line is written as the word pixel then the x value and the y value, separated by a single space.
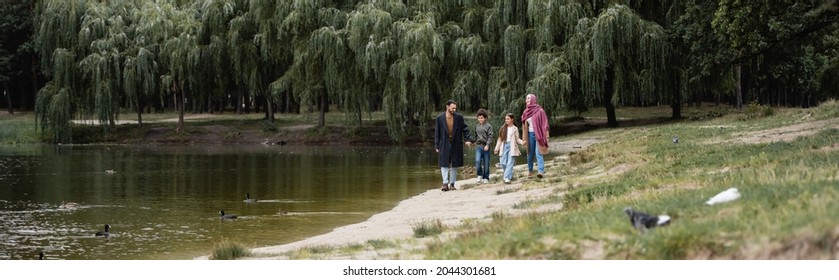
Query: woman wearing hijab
pixel 536 133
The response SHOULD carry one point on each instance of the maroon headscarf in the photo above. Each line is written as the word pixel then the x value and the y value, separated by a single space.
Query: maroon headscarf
pixel 540 120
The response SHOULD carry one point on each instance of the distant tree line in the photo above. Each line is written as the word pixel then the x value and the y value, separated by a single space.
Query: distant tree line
pixel 83 58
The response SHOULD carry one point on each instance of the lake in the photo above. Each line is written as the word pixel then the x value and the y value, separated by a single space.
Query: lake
pixel 163 202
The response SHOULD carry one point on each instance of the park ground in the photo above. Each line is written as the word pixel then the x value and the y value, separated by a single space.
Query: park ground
pixel 783 161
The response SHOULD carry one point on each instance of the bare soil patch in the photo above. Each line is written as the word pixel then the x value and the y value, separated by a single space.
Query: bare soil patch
pixel 785 133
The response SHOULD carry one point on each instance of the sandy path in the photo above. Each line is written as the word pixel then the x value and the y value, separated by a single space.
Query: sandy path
pixel 451 208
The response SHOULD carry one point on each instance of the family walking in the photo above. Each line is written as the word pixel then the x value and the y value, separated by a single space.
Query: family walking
pixel 451 132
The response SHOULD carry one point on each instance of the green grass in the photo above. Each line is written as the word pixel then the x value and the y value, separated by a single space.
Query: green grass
pixel 229 250
pixel 19 128
pixel 312 252
pixel 789 196
pixel 22 129
pixel 379 244
pixel 428 228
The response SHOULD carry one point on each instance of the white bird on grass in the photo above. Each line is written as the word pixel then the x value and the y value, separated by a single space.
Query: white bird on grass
pixel 728 195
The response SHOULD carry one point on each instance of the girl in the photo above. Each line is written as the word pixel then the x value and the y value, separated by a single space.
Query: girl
pixel 507 144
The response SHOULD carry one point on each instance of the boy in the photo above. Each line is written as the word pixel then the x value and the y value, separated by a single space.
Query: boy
pixel 483 140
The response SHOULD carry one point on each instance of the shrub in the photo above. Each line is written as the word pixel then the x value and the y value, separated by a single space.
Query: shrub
pixel 229 250
pixel 755 110
pixel 428 228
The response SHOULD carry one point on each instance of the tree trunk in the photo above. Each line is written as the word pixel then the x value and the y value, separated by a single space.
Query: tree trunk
pixel 321 119
pixel 611 117
pixel 239 101
pixel 269 108
pixel 358 115
pixel 140 111
pixel 8 98
pixel 677 107
pixel 739 92
pixel 195 105
pixel 677 100
pixel 179 103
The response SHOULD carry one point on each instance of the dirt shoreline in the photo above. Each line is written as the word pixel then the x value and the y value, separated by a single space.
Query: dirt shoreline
pixel 471 202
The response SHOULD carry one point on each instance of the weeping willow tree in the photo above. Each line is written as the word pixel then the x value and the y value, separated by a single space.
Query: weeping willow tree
pixel 138 79
pixel 502 96
pixel 513 12
pixel 333 64
pixel 102 38
pixel 620 58
pixel 402 57
pixel 215 18
pixel 368 37
pixel 409 90
pixel 58 27
pixel 55 105
pixel 295 22
pixel 244 56
pixel 56 42
pixel 154 24
pixel 552 83
pixel 327 67
pixel 181 57
pixel 515 57
pixel 554 21
pixel 102 72
pixel 474 56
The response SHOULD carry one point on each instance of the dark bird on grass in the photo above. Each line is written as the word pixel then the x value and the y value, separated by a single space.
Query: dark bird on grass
pixel 248 198
pixel 675 139
pixel 643 221
pixel 105 233
pixel 228 216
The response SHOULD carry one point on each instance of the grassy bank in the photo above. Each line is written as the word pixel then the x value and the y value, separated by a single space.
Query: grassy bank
pixel 787 210
pixel 225 128
pixel 18 129
pixel 783 161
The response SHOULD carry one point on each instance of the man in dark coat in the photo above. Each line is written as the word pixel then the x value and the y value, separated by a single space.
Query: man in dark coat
pixel 450 131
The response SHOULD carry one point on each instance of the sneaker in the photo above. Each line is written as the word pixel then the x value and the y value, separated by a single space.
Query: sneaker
pixel 486 181
pixel 445 187
pixel 479 180
pixel 530 174
pixel 451 187
pixel 539 175
pixel 506 181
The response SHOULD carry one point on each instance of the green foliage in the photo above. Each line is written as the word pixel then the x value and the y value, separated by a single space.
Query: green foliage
pixel 406 58
pixel 229 250
pixel 755 110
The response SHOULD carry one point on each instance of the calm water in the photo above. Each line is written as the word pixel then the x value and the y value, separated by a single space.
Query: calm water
pixel 163 202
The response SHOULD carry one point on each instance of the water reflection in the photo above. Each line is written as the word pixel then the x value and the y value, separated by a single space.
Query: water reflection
pixel 163 202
